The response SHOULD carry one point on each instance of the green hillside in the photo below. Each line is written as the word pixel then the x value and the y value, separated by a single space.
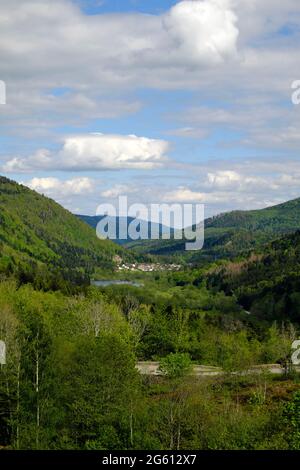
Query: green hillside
pixel 266 284
pixel 233 233
pixel 37 229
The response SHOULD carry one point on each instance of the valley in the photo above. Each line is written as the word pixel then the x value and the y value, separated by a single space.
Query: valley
pixel 165 357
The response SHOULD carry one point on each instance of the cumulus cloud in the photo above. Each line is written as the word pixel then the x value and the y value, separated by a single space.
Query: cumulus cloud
pixel 203 31
pixel 96 152
pixel 79 195
pixel 184 194
pixel 54 187
pixel 119 190
pixel 102 47
pixel 239 181
pixel 223 178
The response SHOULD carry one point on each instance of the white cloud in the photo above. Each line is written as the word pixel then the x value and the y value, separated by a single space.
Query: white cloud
pixel 204 32
pixel 53 187
pixel 78 195
pixel 118 190
pixel 227 185
pixel 96 57
pixel 239 181
pixel 110 49
pixel 220 185
pixel 223 178
pixel 183 194
pixel 96 152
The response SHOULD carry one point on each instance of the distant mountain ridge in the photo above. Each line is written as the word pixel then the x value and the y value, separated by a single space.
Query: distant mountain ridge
pixel 232 233
pixel 93 221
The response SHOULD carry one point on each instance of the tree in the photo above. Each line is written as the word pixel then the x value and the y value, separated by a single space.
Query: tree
pixel 138 320
pixel 100 387
pixel 10 376
pixel 176 365
pixel 278 347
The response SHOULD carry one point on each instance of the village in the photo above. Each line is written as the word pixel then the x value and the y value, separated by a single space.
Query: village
pixel 145 267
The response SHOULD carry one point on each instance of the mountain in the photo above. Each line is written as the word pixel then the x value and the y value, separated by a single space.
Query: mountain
pixel 158 229
pixel 231 234
pixel 37 230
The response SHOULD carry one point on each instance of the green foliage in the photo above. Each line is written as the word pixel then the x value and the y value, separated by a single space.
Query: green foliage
pixel 37 230
pixel 100 383
pixel 176 365
pixel 268 284
pixel 291 414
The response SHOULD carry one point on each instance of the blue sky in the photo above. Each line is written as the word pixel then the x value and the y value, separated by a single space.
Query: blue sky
pixel 94 7
pixel 164 101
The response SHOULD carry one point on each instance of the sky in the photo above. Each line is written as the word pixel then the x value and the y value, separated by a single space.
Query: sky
pixel 163 101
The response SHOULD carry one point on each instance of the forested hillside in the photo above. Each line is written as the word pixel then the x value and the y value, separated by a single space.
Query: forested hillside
pixel 36 231
pixel 268 283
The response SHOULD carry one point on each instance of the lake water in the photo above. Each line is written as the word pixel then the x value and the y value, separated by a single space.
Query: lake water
pixel 116 283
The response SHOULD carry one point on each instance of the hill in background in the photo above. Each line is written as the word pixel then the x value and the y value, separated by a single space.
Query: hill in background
pixel 157 229
pixel 231 234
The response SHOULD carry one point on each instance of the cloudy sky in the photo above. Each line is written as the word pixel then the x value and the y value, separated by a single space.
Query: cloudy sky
pixel 162 101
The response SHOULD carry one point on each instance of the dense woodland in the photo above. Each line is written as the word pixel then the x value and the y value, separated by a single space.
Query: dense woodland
pixel 70 381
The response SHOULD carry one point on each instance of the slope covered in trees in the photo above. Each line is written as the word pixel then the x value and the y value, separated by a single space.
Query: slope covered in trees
pixel 268 283
pixel 35 230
